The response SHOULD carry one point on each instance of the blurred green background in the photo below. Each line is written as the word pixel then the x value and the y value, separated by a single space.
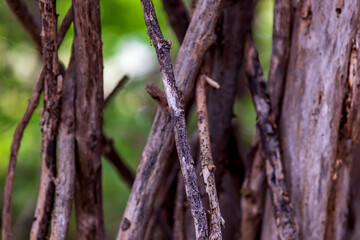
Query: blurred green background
pixel 128 117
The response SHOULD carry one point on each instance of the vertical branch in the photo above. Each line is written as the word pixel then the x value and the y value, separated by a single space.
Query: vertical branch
pixel 52 90
pixel 283 212
pixel 89 109
pixel 162 48
pixel 207 162
pixel 64 183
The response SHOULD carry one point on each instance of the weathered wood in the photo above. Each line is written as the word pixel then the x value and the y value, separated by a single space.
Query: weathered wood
pixel 312 109
pixel 65 181
pixel 50 116
pixel 161 139
pixel 89 111
pixel 282 209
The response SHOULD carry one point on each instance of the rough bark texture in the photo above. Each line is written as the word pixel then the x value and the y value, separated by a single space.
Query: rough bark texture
pixel 207 162
pixel 178 16
pixel 49 122
pixel 178 228
pixel 89 112
pixel 160 141
pixel 283 212
pixel 312 112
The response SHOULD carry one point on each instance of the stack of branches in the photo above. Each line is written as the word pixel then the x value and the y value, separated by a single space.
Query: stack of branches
pixel 214 52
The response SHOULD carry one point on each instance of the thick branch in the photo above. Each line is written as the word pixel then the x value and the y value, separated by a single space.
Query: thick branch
pixel 283 212
pixel 162 48
pixel 65 181
pixel 52 91
pixel 110 153
pixel 207 162
pixel 159 145
pixel 89 108
pixel 178 16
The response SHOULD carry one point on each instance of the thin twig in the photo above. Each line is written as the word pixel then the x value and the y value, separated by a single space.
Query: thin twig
pixel 21 11
pixel 110 153
pixel 283 212
pixel 117 88
pixel 207 162
pixel 50 117
pixel 211 82
pixel 162 48
pixel 157 94
pixel 65 181
pixel 65 25
pixel 160 143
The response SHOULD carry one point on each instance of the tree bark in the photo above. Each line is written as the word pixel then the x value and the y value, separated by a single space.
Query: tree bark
pixel 89 112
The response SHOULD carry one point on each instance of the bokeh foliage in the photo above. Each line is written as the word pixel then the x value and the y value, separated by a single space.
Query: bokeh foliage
pixel 127 118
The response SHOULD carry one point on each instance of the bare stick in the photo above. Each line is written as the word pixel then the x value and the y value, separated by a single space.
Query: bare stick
pixel 52 91
pixel 15 145
pixel 156 93
pixel 64 183
pixel 160 143
pixel 207 162
pixel 162 48
pixel 65 24
pixel 117 88
pixel 283 213
pixel 110 153
pixel 179 17
pixel 22 12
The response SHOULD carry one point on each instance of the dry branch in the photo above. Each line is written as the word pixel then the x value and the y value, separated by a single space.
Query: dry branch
pixel 162 48
pixel 283 212
pixel 15 145
pixel 89 111
pixel 50 116
pixel 110 153
pixel 178 16
pixel 207 162
pixel 160 142
pixel 65 181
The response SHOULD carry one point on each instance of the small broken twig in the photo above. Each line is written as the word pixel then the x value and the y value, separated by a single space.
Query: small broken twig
pixel 283 212
pixel 211 82
pixel 207 162
pixel 157 94
pixel 110 153
pixel 118 86
pixel 162 48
